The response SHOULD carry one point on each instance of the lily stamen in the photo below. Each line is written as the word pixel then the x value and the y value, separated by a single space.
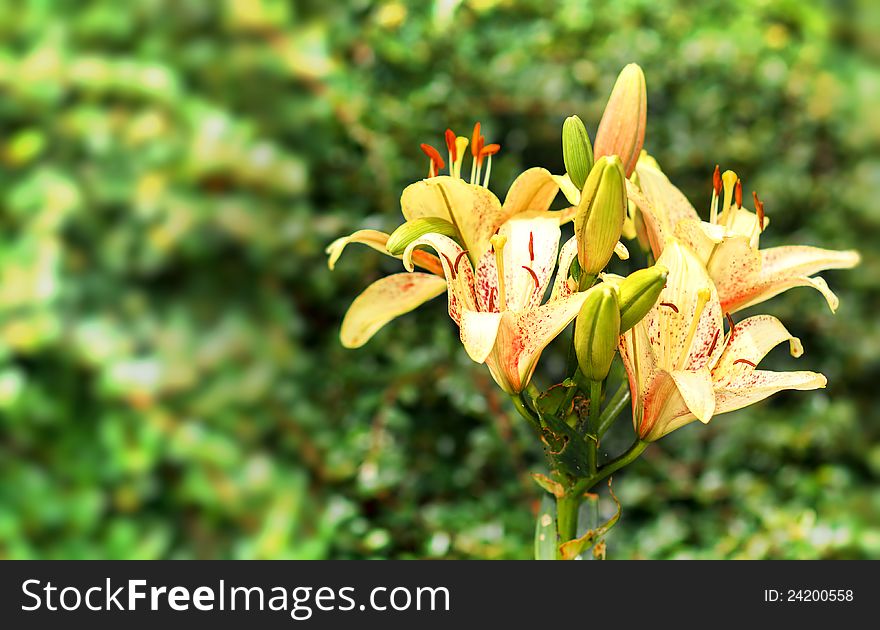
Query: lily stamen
pixel 475 151
pixel 451 147
pixel 458 259
pixel 714 342
pixel 703 296
pixel 746 361
pixel 436 163
pixel 488 151
pixel 534 276
pixel 498 243
pixel 716 192
pixel 669 305
pixel 738 193
pixel 451 266
pixel 532 246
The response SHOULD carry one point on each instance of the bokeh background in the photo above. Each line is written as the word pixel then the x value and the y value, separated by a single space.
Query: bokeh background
pixel 171 381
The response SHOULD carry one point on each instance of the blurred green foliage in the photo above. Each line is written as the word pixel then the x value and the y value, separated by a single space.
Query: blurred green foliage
pixel 171 382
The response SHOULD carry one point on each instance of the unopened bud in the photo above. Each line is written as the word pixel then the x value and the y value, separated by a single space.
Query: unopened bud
pixel 600 214
pixel 596 332
pixel 622 128
pixel 415 229
pixel 577 152
pixel 638 293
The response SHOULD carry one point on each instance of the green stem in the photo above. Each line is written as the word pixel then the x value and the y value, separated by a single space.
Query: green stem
pixel 567 517
pixel 592 436
pixel 585 484
pixel 525 412
pixel 616 405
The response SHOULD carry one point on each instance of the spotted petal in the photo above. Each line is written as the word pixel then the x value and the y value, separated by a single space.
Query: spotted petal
pixel 522 337
pixel 385 299
pixel 752 339
pixel 456 268
pixel 760 384
pixel 473 210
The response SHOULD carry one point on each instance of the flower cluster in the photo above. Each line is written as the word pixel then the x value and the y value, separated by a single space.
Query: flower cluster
pixel 685 356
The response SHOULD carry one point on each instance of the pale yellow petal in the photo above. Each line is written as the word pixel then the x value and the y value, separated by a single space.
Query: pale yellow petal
pixel 473 210
pixel 798 260
pixel 372 238
pixel 478 333
pixel 532 191
pixel 569 189
pixel 522 338
pixel 752 339
pixel 760 384
pixel 667 204
pixel 456 268
pixel 563 286
pixel 384 300
pixel 695 388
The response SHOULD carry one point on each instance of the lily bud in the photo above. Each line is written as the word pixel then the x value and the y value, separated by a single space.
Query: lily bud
pixel 596 332
pixel 412 230
pixel 622 128
pixel 577 152
pixel 638 293
pixel 600 214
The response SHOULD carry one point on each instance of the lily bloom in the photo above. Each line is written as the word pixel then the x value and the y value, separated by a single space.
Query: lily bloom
pixel 682 366
pixel 497 304
pixel 728 244
pixel 474 211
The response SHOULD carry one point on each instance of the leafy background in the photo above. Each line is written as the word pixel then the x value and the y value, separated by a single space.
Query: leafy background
pixel 171 382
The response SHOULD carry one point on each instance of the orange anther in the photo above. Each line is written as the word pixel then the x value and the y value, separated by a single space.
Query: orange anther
pixel 450 144
pixel 716 180
pixel 475 141
pixel 434 155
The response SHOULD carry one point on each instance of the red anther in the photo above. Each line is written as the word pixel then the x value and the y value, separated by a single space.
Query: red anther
pixel 480 144
pixel 746 361
pixel 669 305
pixel 434 155
pixel 492 299
pixel 450 144
pixel 489 149
pixel 738 193
pixel 759 210
pixel 475 141
pixel 450 265
pixel 714 341
pixel 731 323
pixel 534 276
pixel 458 259
pixel 716 180
pixel 532 246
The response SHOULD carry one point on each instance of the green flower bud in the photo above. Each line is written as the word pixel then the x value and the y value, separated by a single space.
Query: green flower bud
pixel 600 214
pixel 412 230
pixel 577 152
pixel 638 293
pixel 596 332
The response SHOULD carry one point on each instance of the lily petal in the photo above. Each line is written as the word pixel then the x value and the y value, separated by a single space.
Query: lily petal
pixel 522 338
pixel 666 205
pixel 533 190
pixel 384 300
pixel 561 286
pixel 478 333
pixel 456 268
pixel 760 384
pixel 795 260
pixel 569 189
pixel 377 241
pixel 529 258
pixel 696 390
pixel 752 339
pixel 678 338
pixel 372 238
pixel 473 210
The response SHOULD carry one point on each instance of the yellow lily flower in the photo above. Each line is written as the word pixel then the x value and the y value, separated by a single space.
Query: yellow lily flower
pixel 474 211
pixel 728 244
pixel 497 303
pixel 682 367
